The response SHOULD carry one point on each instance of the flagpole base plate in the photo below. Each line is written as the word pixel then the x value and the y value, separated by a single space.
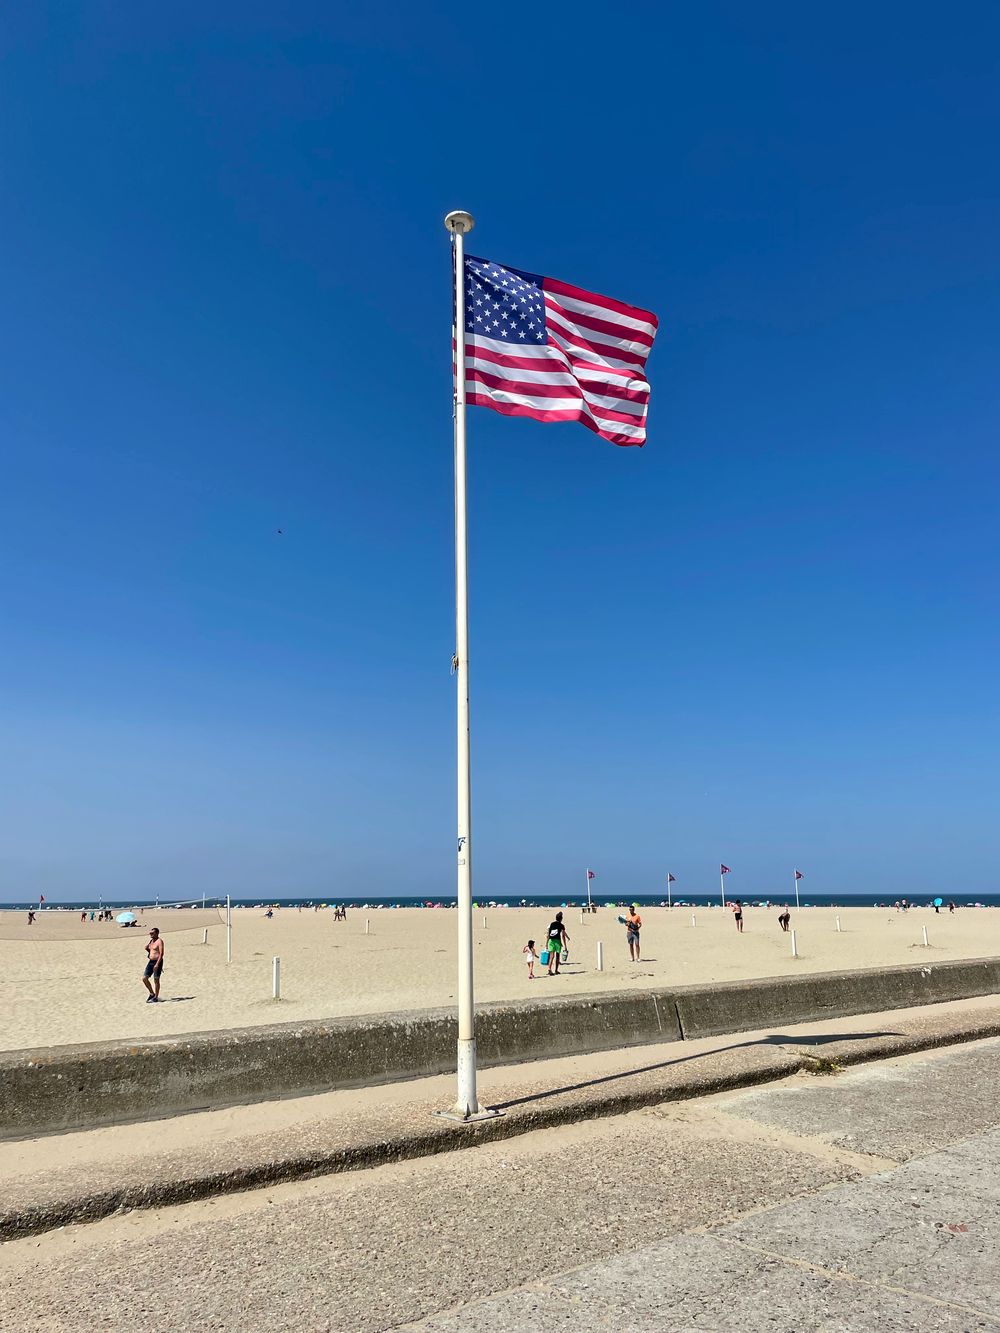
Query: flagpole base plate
pixel 484 1113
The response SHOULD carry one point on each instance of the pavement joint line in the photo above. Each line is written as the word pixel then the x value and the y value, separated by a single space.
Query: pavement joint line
pixel 540 1287
pixel 844 1275
pixel 20 1222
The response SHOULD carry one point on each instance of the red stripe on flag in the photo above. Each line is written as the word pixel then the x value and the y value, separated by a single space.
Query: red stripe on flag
pixel 593 298
pixel 531 389
pixel 629 388
pixel 617 332
pixel 577 342
pixel 517 410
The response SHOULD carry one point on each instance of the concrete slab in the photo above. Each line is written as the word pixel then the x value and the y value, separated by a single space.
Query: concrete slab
pixel 976 1163
pixel 955 1096
pixel 918 1229
pixel 368 1251
pixel 700 1282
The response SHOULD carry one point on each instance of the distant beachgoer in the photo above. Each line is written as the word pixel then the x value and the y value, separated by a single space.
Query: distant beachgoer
pixel 530 957
pixel 737 907
pixel 151 976
pixel 31 917
pixel 784 920
pixel 269 913
pixel 83 916
pixel 633 924
pixel 951 907
pixel 556 942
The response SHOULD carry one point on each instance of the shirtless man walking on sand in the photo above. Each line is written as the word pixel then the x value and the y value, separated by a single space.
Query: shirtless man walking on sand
pixel 154 967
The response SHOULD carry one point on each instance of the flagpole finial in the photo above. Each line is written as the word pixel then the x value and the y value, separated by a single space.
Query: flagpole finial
pixel 459 221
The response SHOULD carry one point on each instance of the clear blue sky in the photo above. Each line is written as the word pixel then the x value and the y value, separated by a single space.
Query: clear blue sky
pixel 770 637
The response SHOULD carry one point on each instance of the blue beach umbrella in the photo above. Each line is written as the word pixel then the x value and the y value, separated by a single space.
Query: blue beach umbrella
pixel 125 918
pixel 938 902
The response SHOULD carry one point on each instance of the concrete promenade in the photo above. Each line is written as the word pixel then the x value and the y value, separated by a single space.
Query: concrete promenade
pixel 851 1201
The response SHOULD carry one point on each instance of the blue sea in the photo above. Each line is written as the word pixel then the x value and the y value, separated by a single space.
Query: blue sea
pixel 533 900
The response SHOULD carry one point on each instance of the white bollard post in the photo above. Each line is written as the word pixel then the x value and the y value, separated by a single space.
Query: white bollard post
pixel 926 940
pixel 795 951
pixel 838 925
pixel 484 923
pixel 368 925
pixel 693 920
pixel 581 916
pixel 204 937
pixel 600 956
pixel 276 978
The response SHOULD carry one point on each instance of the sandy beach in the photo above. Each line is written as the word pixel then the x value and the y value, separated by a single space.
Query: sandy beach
pixel 57 987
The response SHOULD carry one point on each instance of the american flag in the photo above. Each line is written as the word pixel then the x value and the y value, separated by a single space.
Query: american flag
pixel 537 347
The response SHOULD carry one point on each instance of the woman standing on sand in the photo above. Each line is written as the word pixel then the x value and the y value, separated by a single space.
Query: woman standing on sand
pixel 556 942
pixel 738 915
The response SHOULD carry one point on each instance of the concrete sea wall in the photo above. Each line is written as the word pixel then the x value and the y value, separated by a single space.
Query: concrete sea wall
pixel 75 1087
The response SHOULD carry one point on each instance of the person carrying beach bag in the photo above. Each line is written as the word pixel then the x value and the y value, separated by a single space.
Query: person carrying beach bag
pixel 558 941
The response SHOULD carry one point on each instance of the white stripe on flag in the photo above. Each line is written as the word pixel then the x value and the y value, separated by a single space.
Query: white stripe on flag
pixel 568 407
pixel 572 306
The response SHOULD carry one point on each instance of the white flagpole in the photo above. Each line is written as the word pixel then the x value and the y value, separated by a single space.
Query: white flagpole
pixel 722 888
pixel 796 873
pixel 669 904
pixel 467 1102
pixel 588 889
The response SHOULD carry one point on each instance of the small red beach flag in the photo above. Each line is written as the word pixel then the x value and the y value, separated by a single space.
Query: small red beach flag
pixel 723 870
pixel 798 874
pixel 671 879
pixel 591 875
pixel 41 897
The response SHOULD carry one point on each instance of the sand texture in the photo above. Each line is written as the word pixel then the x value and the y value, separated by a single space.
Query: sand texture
pixel 65 990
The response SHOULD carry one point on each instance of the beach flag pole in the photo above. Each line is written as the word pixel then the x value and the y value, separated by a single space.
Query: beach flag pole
pixel 670 880
pixel 466 1106
pixel 590 876
pixel 723 872
pixel 798 876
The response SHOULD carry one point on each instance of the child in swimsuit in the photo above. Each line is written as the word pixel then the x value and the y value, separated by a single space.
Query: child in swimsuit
pixel 530 956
